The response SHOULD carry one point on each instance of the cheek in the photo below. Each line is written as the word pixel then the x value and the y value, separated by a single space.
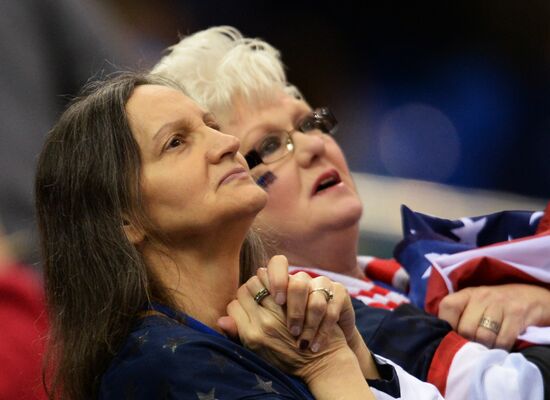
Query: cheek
pixel 283 192
pixel 281 207
pixel 156 190
pixel 166 196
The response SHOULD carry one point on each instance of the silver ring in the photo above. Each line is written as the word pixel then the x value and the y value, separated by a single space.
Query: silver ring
pixel 262 294
pixel 490 324
pixel 327 293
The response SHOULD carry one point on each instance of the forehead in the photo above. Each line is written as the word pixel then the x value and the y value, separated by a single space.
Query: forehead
pixel 151 106
pixel 247 118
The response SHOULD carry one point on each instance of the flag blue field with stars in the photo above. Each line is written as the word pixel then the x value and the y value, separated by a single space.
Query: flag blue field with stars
pixel 444 256
pixel 426 237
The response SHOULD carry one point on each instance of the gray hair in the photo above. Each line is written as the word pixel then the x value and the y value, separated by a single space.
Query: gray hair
pixel 217 63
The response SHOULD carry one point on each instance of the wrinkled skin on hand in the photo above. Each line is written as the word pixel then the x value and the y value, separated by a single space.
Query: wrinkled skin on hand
pixel 513 306
pixel 262 328
pixel 309 316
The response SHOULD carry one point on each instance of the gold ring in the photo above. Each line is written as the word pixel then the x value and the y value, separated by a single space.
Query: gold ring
pixel 327 293
pixel 262 294
pixel 490 324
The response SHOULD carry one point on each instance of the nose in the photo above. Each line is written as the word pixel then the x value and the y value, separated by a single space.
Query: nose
pixel 307 148
pixel 221 145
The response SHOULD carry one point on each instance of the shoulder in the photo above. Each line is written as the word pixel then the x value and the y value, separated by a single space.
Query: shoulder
pixel 166 359
pixel 157 352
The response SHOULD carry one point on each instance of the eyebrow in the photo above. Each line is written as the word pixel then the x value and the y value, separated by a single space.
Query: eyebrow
pixel 208 117
pixel 266 127
pixel 183 123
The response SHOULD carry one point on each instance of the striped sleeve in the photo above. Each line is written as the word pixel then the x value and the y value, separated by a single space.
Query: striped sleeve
pixel 492 374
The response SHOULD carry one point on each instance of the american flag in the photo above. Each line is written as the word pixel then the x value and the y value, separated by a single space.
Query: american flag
pixel 443 256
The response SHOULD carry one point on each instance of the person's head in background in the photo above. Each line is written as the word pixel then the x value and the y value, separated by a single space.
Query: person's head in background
pixel 313 210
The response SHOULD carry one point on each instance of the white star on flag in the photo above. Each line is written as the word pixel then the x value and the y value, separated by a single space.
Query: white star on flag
pixel 468 233
pixel 535 216
pixel 207 396
pixel 266 386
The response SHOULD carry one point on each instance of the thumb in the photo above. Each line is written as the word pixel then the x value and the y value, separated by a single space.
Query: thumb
pixel 228 325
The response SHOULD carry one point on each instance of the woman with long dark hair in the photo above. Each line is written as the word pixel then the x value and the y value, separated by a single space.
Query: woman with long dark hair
pixel 144 211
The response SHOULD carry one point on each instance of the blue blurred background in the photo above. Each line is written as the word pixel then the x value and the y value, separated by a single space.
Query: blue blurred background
pixel 449 92
pixel 453 92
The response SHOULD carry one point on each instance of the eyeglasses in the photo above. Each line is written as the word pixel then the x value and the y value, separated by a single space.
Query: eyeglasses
pixel 278 144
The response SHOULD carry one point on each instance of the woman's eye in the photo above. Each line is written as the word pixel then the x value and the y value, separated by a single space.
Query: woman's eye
pixel 174 142
pixel 321 119
pixel 269 145
pixel 307 124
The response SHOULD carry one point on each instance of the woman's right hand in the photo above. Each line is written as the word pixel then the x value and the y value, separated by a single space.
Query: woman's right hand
pixel 310 311
pixel 262 328
pixel 309 315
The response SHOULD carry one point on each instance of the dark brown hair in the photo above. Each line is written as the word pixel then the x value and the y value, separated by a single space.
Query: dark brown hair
pixel 87 184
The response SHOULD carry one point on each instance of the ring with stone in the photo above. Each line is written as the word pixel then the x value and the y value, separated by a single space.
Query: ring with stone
pixel 327 293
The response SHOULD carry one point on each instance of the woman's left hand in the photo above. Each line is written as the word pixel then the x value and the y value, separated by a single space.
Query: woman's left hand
pixel 313 305
pixel 512 307
pixel 333 372
pixel 262 328
pixel 310 310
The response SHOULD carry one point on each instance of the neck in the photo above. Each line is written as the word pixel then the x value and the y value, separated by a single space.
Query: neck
pixel 334 251
pixel 202 276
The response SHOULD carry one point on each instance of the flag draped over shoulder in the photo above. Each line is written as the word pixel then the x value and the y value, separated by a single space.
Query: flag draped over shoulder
pixel 443 256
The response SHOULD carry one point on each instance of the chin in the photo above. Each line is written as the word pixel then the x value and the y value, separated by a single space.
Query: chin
pixel 345 215
pixel 260 196
pixel 253 203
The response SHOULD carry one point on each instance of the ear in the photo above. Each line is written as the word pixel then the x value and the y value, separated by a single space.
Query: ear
pixel 134 234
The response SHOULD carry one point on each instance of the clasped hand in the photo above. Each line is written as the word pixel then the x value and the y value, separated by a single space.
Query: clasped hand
pixel 297 324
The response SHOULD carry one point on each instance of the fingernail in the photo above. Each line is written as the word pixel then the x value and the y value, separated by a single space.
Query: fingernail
pixel 295 330
pixel 280 298
pixel 304 344
pixel 315 347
